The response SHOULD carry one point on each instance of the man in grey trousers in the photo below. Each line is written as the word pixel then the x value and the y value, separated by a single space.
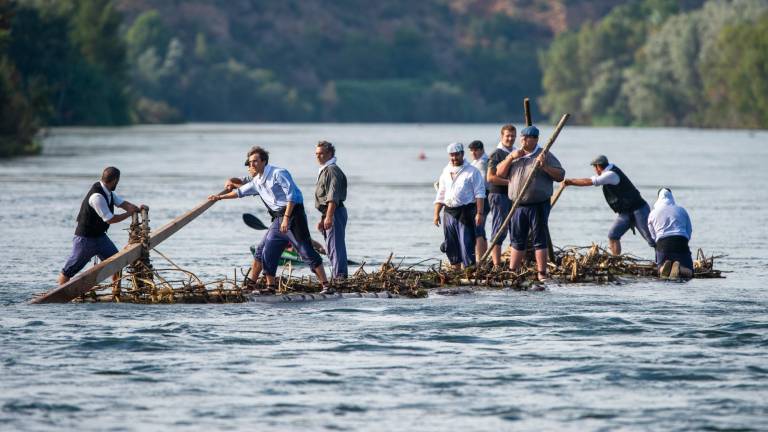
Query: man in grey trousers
pixel 330 193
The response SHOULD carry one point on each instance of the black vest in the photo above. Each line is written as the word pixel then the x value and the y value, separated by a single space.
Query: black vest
pixel 89 223
pixel 623 197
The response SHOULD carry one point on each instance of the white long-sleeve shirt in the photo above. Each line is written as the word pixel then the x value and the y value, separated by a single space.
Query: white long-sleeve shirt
pixel 463 188
pixel 97 201
pixel 275 186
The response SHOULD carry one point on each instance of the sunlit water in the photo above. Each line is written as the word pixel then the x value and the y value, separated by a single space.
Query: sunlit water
pixel 640 356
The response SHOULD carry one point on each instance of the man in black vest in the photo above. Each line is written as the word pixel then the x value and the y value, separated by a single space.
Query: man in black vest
pixel 622 197
pixel 93 221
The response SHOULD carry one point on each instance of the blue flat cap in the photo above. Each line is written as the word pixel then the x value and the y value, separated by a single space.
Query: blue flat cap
pixel 530 131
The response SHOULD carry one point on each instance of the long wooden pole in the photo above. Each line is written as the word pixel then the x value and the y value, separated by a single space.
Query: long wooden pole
pixel 527 109
pixel 527 183
pixel 557 194
pixel 91 277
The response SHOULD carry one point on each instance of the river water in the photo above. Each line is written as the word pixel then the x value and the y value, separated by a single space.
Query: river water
pixel 644 355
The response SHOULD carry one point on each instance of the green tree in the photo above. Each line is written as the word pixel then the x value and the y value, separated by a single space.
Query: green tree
pixel 736 81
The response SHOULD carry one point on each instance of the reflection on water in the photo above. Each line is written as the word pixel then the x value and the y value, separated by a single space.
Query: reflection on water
pixel 645 355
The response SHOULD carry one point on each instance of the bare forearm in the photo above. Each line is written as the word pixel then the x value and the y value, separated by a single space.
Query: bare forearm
pixel 495 179
pixel 557 174
pixel 578 182
pixel 119 218
pixel 480 203
pixel 289 209
pixel 330 210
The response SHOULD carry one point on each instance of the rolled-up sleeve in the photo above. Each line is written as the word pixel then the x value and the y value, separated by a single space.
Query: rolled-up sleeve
pixel 247 189
pixel 440 196
pixel 99 204
pixel 478 184
pixel 284 180
pixel 606 178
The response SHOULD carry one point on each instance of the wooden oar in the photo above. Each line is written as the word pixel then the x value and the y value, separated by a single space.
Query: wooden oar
pixel 527 183
pixel 557 194
pixel 91 277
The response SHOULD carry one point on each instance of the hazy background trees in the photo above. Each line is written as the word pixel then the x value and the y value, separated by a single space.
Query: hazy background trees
pixel 608 62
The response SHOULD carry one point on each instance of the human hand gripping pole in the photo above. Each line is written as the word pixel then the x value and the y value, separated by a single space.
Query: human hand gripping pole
pixel 527 183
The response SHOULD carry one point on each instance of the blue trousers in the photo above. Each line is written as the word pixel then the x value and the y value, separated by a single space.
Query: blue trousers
pixel 459 240
pixel 273 243
pixel 85 248
pixel 500 205
pixel 335 245
pixel 625 221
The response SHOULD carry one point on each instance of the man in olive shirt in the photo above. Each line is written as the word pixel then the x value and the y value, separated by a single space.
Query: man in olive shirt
pixel 330 193
pixel 533 212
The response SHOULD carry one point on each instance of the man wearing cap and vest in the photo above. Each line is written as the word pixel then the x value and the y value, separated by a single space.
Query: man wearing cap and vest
pixel 498 201
pixel 461 191
pixel 93 221
pixel 533 211
pixel 622 197
pixel 480 161
pixel 330 193
pixel 285 204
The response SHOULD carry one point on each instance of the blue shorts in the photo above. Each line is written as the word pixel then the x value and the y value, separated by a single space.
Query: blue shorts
pixel 530 217
pixel 85 248
pixel 500 204
pixel 637 219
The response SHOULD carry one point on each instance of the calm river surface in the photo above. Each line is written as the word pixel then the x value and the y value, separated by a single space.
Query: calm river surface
pixel 641 356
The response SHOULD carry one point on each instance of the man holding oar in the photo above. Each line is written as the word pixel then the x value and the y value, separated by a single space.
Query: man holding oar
pixel 622 197
pixel 533 211
pixel 330 193
pixel 285 204
pixel 497 190
pixel 461 191
pixel 93 221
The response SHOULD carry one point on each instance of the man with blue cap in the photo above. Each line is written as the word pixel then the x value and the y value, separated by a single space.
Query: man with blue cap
pixel 622 197
pixel 533 211
pixel 461 191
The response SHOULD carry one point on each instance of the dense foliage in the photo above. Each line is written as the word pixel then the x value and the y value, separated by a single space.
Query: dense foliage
pixel 637 62
pixel 664 63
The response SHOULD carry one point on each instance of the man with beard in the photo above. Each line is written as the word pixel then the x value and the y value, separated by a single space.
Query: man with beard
pixel 93 221
pixel 461 191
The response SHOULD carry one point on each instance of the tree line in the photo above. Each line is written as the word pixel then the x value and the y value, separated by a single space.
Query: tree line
pixel 647 62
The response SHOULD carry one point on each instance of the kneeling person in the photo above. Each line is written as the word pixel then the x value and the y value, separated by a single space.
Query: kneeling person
pixel 461 190
pixel 670 226
pixel 93 221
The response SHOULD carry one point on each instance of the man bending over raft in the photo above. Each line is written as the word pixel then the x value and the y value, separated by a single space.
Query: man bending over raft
pixel 461 190
pixel 285 204
pixel 533 212
pixel 93 221
pixel 622 197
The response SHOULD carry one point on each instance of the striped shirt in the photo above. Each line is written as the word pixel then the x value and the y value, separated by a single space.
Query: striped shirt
pixel 275 186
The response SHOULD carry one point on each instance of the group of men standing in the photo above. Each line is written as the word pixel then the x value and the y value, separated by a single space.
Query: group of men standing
pixel 492 183
pixel 466 194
